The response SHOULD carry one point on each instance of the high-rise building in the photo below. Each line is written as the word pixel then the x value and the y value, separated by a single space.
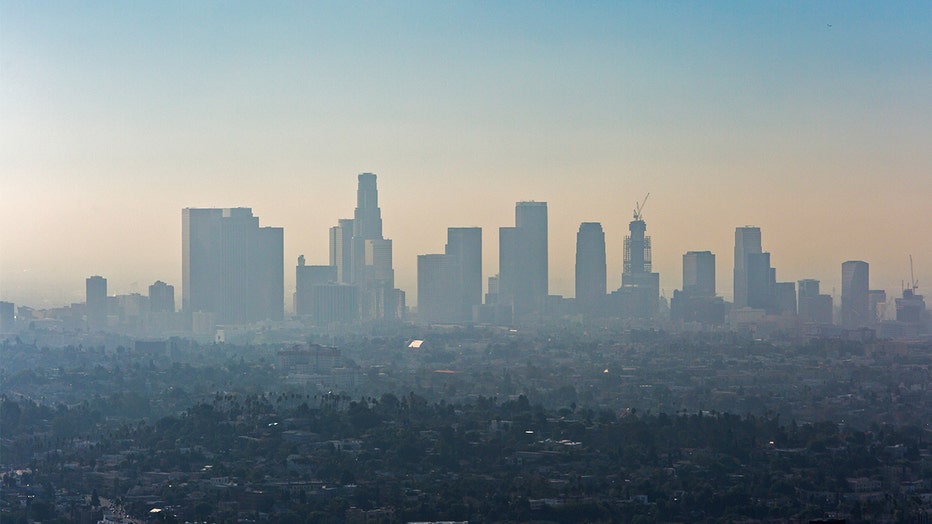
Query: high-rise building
pixel 464 244
pixel 747 242
pixel 367 224
pixel 231 268
pixel 855 299
pixel 531 220
pixel 813 307
pixel 877 304
pixel 523 264
pixel 363 258
pixel 307 278
pixel 697 301
pixel 808 288
pixel 784 298
pixel 449 286
pixel 96 300
pixel 341 250
pixel 436 288
pixel 761 281
pixel 591 280
pixel 161 298
pixel 201 255
pixel 639 295
pixel 699 273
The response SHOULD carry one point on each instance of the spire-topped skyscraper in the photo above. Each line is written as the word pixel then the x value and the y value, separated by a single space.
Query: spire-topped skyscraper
pixel 368 217
pixel 364 258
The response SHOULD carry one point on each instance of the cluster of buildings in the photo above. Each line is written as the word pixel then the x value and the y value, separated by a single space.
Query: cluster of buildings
pixel 233 275
pixel 359 283
pixel 142 315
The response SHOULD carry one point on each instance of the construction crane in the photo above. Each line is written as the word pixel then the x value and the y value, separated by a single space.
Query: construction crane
pixel 913 283
pixel 640 207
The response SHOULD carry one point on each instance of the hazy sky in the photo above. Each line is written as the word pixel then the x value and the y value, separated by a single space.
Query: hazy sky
pixel 812 120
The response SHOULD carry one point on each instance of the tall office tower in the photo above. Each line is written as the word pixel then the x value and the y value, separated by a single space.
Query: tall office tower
pixel 368 216
pixel 877 303
pixel 201 253
pixel 760 282
pixel 464 244
pixel 231 267
pixel 747 242
pixel 96 300
pixel 590 269
pixel 369 265
pixel 697 301
pixel 523 265
pixel 531 220
pixel 509 265
pixel 812 306
pixel 911 308
pixel 639 294
pixel 161 298
pixel 699 273
pixel 306 279
pixel 784 298
pixel 367 224
pixel 492 290
pixel 436 288
pixel 808 287
pixel 378 259
pixel 341 249
pixel 855 305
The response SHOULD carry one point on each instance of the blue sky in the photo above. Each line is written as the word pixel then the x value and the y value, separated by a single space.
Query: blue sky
pixel 811 120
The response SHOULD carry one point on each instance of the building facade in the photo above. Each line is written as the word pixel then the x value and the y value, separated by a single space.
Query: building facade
pixel 747 242
pixel 96 302
pixel 523 260
pixel 591 269
pixel 855 294
pixel 699 273
pixel 232 269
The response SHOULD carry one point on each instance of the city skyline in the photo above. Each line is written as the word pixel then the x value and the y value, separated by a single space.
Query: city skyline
pixel 808 120
pixel 140 286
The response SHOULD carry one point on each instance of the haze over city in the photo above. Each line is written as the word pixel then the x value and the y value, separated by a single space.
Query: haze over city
pixel 809 120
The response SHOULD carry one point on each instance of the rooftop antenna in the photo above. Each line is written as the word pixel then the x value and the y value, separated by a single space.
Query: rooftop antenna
pixel 640 207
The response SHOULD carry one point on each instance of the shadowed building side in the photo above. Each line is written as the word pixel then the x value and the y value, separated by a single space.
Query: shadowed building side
pixel 232 269
pixel 591 279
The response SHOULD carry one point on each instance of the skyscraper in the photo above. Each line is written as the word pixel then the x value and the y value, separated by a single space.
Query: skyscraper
pixel 761 281
pixel 341 250
pixel 697 302
pixel 161 298
pixel 590 269
pixel 523 264
pixel 531 220
pixel 639 295
pixel 306 279
pixel 436 288
pixel 449 286
pixel 699 273
pixel 464 244
pixel 812 306
pixel 231 267
pixel 369 256
pixel 201 254
pixel 96 301
pixel 855 300
pixel 747 242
